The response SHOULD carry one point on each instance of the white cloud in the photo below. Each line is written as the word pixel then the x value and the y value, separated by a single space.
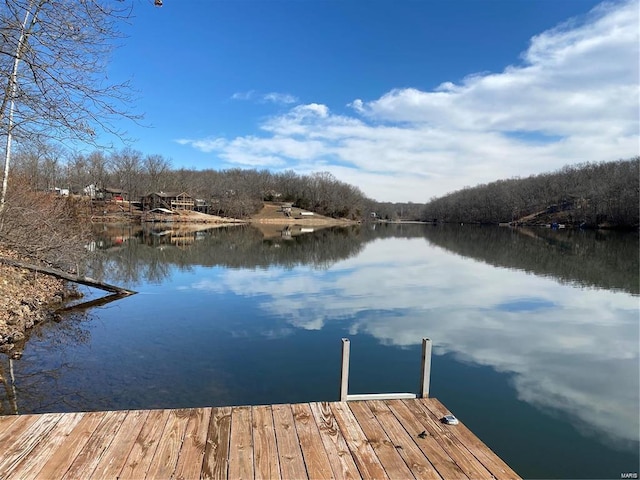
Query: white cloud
pixel 574 98
pixel 271 97
pixel 275 97
pixel 248 95
pixel 357 105
pixel 205 144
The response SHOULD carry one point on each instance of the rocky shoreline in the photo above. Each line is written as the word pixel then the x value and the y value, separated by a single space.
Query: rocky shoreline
pixel 26 299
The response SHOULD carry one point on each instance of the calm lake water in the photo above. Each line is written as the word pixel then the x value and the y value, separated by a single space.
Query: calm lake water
pixel 535 332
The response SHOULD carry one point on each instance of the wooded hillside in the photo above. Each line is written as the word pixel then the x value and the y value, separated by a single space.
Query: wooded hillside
pixel 235 192
pixel 590 194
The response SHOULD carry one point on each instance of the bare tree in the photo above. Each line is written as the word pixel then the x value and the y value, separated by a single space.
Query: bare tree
pixel 98 168
pixel 60 235
pixel 39 163
pixel 156 168
pixel 127 168
pixel 78 175
pixel 52 61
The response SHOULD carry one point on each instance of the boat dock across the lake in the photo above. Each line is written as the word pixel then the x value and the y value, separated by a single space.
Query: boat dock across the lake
pixel 373 436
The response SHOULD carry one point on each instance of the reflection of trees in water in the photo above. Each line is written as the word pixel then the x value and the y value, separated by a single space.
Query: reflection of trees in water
pixel 148 255
pixel 603 259
pixel 132 263
pixel 28 384
pixel 8 394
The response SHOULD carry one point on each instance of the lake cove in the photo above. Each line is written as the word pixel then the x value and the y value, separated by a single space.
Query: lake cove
pixel 535 332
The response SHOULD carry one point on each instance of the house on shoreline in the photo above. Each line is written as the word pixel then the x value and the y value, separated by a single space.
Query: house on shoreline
pixel 104 193
pixel 168 200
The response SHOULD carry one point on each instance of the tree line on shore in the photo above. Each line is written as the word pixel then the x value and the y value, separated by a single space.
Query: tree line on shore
pixel 604 194
pixel 233 192
pixel 589 194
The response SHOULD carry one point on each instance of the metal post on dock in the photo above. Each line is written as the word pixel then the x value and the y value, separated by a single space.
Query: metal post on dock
pixel 344 373
pixel 426 368
pixel 424 377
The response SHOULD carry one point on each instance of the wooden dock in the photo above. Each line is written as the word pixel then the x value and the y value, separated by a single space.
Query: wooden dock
pixel 375 439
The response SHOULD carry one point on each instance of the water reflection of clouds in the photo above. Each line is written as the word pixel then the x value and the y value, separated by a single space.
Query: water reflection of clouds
pixel 569 349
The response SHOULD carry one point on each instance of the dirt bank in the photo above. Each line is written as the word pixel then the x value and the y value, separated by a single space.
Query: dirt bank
pixel 272 213
pixel 26 299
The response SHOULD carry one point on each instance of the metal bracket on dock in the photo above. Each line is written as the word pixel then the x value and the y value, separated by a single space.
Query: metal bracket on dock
pixel 424 377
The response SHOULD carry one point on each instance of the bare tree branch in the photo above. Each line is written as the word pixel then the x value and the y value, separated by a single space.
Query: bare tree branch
pixel 53 58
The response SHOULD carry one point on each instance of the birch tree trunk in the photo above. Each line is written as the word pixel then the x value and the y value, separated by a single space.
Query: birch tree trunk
pixel 10 93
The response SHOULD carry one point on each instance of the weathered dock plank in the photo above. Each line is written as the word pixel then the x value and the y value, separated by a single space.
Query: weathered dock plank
pixel 13 427
pixel 490 460
pixel 216 454
pixel 89 457
pixel 438 457
pixel 32 463
pixel 403 442
pixel 21 445
pixel 265 449
pixel 363 454
pixel 371 439
pixel 241 444
pixel 313 452
pixel 289 452
pixel 144 448
pixel 6 423
pixel 435 434
pixel 67 452
pixel 193 447
pixel 114 458
pixel 166 457
pixel 383 447
pixel 342 463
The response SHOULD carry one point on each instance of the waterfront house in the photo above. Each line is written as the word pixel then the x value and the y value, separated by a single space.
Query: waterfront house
pixel 170 201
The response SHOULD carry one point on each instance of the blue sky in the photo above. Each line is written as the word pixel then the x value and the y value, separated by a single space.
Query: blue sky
pixel 405 99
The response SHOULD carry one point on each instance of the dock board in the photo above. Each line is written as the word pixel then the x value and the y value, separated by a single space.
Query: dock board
pixel 320 440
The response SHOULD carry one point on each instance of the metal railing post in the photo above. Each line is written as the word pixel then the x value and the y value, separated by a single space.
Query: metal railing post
pixel 344 373
pixel 426 368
